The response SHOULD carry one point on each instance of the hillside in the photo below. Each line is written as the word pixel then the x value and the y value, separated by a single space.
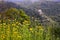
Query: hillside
pixel 49 8
pixel 37 21
pixel 32 11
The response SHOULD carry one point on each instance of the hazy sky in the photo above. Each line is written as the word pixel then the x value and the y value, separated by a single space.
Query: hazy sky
pixel 32 0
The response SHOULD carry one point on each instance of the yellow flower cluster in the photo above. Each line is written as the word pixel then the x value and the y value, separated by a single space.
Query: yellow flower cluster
pixel 17 30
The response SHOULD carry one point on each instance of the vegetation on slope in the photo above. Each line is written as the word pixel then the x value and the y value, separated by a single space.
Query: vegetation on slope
pixel 16 25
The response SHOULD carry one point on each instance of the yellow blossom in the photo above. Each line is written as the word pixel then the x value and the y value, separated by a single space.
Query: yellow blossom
pixel 31 29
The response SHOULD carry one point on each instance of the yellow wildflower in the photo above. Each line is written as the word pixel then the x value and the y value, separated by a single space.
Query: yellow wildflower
pixel 31 29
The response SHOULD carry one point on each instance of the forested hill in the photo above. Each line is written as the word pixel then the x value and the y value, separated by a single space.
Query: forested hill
pixel 6 5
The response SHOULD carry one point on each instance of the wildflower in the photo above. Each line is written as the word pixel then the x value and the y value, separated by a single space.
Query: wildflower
pixel 31 29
